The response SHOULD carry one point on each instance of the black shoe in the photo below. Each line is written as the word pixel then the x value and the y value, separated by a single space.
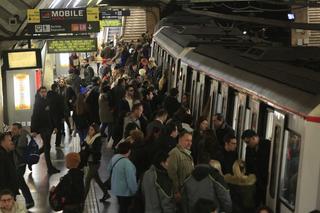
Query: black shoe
pixel 30 167
pixel 30 205
pixel 105 197
pixel 53 171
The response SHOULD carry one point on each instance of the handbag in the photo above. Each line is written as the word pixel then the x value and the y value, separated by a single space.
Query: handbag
pixel 108 181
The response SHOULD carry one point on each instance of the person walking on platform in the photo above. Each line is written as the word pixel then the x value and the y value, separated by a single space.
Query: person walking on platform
pixel 92 156
pixel 43 124
pixel 123 177
pixel 180 162
pixel 20 140
pixel 8 173
pixel 257 162
pixel 157 187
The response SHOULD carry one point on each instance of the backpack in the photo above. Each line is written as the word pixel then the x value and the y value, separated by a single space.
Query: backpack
pixel 31 153
pixel 57 198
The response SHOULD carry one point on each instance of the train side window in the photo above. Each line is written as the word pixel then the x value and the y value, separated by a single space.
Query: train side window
pixel 254 121
pixel 290 166
pixel 275 157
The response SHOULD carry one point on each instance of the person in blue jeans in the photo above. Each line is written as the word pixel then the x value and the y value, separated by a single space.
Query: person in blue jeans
pixel 123 176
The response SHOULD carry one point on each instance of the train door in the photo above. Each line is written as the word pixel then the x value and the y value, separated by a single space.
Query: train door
pixel 193 91
pixel 177 74
pixel 239 116
pixel 214 93
pixel 199 95
pixel 275 159
pixel 172 73
pixel 182 80
pixel 290 161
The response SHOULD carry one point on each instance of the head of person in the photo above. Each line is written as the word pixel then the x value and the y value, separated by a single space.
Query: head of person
pixel 134 66
pixel 154 134
pixel 185 139
pixel 42 92
pixel 203 123
pixel 124 148
pixel 239 168
pixel 162 115
pixel 160 160
pixel 130 127
pixel 122 82
pixel 204 158
pixel 129 90
pixel 230 142
pixel 264 209
pixel 172 129
pixel 250 137
pixel 185 98
pixel 96 80
pixel 148 95
pixel 136 135
pixel 7 200
pixel 61 82
pixel 218 120
pixel 93 130
pixel 137 110
pixel 174 92
pixel 72 160
pixel 16 129
pixel 54 87
pixel 6 142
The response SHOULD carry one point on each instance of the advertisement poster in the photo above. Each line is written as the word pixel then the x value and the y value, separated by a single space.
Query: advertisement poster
pixel 21 87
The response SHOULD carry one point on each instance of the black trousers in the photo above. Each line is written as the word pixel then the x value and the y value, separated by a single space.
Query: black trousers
pixel 124 204
pixel 23 185
pixel 60 129
pixel 46 138
pixel 93 173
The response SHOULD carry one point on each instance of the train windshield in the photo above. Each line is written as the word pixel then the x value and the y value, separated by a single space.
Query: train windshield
pixel 290 166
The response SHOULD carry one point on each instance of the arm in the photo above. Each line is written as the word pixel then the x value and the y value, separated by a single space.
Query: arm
pixel 131 177
pixel 173 171
pixel 223 195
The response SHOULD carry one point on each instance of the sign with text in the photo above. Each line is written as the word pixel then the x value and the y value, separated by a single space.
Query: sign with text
pixel 111 23
pixel 52 28
pixel 72 45
pixel 106 14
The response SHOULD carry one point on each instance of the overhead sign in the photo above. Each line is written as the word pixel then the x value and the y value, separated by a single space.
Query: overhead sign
pixel 86 27
pixel 106 14
pixel 22 59
pixel 93 14
pixel 33 16
pixel 63 15
pixel 72 45
pixel 111 23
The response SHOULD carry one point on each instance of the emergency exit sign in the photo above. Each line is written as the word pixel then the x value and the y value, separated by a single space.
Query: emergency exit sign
pixel 72 45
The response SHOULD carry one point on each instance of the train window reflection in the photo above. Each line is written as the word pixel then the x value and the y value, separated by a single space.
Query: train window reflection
pixel 290 169
pixel 275 157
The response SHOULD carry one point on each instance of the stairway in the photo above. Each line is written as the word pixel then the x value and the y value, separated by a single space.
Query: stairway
pixel 135 24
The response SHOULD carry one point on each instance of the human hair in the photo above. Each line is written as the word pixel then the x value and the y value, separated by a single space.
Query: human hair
pixel 170 127
pixel 128 86
pixel 96 127
pixel 18 125
pixel 54 87
pixel 216 165
pixel 3 136
pixel 159 158
pixel 121 80
pixel 136 106
pixel 200 120
pixel 266 208
pixel 219 116
pixel 173 92
pixel 136 135
pixel 124 147
pixel 130 127
pixel 42 87
pixel 249 133
pixel 204 158
pixel 161 112
pixel 239 168
pixel 6 192
pixel 228 137
pixel 183 133
pixel 80 105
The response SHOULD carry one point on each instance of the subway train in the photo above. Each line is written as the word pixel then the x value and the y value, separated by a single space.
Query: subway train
pixel 271 89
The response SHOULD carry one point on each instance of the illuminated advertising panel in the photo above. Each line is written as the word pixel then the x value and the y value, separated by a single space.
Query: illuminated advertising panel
pixel 22 59
pixel 21 87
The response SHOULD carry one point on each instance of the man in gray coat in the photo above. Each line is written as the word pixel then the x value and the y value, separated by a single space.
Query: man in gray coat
pixel 205 183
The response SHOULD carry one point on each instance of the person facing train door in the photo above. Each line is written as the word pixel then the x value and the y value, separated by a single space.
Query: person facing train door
pixel 221 127
pixel 257 161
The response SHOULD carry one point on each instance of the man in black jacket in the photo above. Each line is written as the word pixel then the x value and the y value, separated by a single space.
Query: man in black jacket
pixel 221 127
pixel 8 173
pixel 43 124
pixel 171 103
pixel 257 161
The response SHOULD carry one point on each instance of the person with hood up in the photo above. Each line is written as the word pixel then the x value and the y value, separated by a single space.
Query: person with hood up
pixel 205 182
pixel 157 187
pixel 242 188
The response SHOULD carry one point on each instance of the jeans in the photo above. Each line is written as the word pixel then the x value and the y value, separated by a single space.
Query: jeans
pixel 124 203
pixel 23 185
pixel 46 138
pixel 92 174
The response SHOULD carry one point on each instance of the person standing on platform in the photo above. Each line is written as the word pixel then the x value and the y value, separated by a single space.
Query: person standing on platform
pixel 8 173
pixel 43 124
pixel 257 161
pixel 221 127
pixel 180 162
pixel 228 154
pixel 20 140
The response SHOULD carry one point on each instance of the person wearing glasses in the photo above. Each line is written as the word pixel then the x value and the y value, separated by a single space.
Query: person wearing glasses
pixel 8 203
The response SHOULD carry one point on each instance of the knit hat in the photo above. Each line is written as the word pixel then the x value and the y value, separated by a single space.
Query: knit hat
pixel 72 160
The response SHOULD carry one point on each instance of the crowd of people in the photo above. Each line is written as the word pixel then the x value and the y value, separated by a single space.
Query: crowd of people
pixel 163 161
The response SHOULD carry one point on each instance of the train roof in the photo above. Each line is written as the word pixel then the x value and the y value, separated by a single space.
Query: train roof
pixel 291 88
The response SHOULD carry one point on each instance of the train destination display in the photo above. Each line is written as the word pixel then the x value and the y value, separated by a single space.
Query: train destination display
pixel 72 45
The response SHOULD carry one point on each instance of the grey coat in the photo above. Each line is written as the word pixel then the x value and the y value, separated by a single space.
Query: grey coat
pixel 105 111
pixel 157 200
pixel 20 143
pixel 205 183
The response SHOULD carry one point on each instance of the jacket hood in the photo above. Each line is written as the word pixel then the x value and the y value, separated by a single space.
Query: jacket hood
pixel 201 172
pixel 242 180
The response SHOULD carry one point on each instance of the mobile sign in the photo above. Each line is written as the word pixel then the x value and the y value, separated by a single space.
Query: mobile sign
pixel 72 45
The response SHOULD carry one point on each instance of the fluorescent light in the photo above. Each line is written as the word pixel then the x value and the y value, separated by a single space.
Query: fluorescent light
pixel 76 3
pixel 69 3
pixel 55 3
pixel 89 2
